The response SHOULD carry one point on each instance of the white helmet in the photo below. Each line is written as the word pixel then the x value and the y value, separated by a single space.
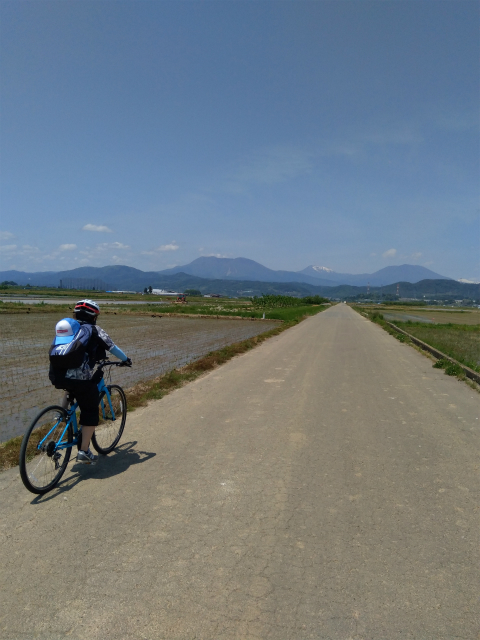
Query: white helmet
pixel 87 308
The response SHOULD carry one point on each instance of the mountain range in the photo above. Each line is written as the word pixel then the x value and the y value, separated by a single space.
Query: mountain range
pixel 124 277
pixel 212 268
pixel 245 269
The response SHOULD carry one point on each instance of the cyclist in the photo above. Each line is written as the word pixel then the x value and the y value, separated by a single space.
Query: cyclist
pixel 81 383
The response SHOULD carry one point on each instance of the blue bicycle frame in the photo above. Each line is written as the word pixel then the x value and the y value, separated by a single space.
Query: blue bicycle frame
pixel 72 420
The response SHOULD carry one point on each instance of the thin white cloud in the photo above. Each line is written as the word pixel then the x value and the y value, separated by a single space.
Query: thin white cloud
pixel 271 166
pixel 416 256
pixel 114 245
pixel 67 247
pixel 391 253
pixel 214 255
pixel 24 250
pixel 360 146
pixel 6 235
pixel 173 246
pixel 397 136
pixel 97 227
pixel 467 281
pixel 457 122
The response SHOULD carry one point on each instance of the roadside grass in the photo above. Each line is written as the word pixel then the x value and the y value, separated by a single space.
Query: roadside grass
pixel 378 318
pixel 140 394
pixel 460 342
pixel 9 452
pixel 450 368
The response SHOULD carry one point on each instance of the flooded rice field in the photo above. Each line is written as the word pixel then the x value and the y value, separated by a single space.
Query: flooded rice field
pixel 404 317
pixel 155 344
pixel 433 315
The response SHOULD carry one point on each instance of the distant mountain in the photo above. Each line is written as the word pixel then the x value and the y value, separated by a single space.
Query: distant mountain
pixel 242 269
pixel 123 277
pixel 212 268
pixel 387 275
pixel 40 278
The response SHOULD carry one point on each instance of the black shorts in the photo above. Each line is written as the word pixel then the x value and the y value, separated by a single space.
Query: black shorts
pixel 86 394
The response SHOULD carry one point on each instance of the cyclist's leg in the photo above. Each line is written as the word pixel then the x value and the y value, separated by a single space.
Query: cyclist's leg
pixel 87 396
pixel 87 433
pixel 64 400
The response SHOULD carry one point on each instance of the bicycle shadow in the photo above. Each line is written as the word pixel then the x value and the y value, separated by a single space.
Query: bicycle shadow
pixel 119 461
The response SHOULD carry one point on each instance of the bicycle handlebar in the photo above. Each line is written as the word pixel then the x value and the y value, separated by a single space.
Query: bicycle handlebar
pixel 110 363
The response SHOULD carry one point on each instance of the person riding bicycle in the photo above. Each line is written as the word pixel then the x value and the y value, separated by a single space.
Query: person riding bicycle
pixel 81 383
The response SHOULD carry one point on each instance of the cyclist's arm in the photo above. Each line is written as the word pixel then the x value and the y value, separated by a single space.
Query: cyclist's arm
pixel 110 345
pixel 118 353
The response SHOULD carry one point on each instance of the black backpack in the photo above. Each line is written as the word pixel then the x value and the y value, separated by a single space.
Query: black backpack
pixel 72 354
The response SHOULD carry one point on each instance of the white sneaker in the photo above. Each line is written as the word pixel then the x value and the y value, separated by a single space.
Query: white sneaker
pixel 86 457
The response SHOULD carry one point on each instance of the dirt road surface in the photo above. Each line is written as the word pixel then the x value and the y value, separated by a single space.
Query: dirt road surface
pixel 324 485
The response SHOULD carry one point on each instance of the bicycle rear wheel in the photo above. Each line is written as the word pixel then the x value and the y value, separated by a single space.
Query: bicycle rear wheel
pixel 111 424
pixel 41 464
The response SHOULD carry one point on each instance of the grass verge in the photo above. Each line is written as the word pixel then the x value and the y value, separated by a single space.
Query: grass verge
pixel 460 342
pixel 143 392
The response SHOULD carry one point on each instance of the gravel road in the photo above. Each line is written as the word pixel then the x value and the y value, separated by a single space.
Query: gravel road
pixel 324 485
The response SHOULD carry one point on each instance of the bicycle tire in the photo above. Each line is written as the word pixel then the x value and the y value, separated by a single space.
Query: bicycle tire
pixel 109 431
pixel 41 469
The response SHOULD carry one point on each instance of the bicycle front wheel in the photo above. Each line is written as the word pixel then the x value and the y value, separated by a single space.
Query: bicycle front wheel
pixel 42 464
pixel 112 413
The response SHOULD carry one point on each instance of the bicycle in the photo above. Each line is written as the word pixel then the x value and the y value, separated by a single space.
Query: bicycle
pixel 47 444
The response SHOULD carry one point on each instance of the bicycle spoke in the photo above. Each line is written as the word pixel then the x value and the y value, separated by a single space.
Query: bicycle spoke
pixel 112 414
pixel 41 465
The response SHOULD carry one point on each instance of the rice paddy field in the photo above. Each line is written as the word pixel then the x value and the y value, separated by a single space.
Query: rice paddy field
pixel 155 344
pixel 431 315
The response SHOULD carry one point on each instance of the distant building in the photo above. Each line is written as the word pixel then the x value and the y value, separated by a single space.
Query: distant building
pixel 163 292
pixel 95 284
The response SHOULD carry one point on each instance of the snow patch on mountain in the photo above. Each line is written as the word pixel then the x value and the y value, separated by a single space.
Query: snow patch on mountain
pixel 316 268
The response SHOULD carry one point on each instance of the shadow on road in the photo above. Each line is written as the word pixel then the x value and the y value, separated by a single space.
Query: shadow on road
pixel 109 466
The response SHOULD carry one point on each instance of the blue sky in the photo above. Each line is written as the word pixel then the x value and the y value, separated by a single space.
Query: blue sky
pixel 334 133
